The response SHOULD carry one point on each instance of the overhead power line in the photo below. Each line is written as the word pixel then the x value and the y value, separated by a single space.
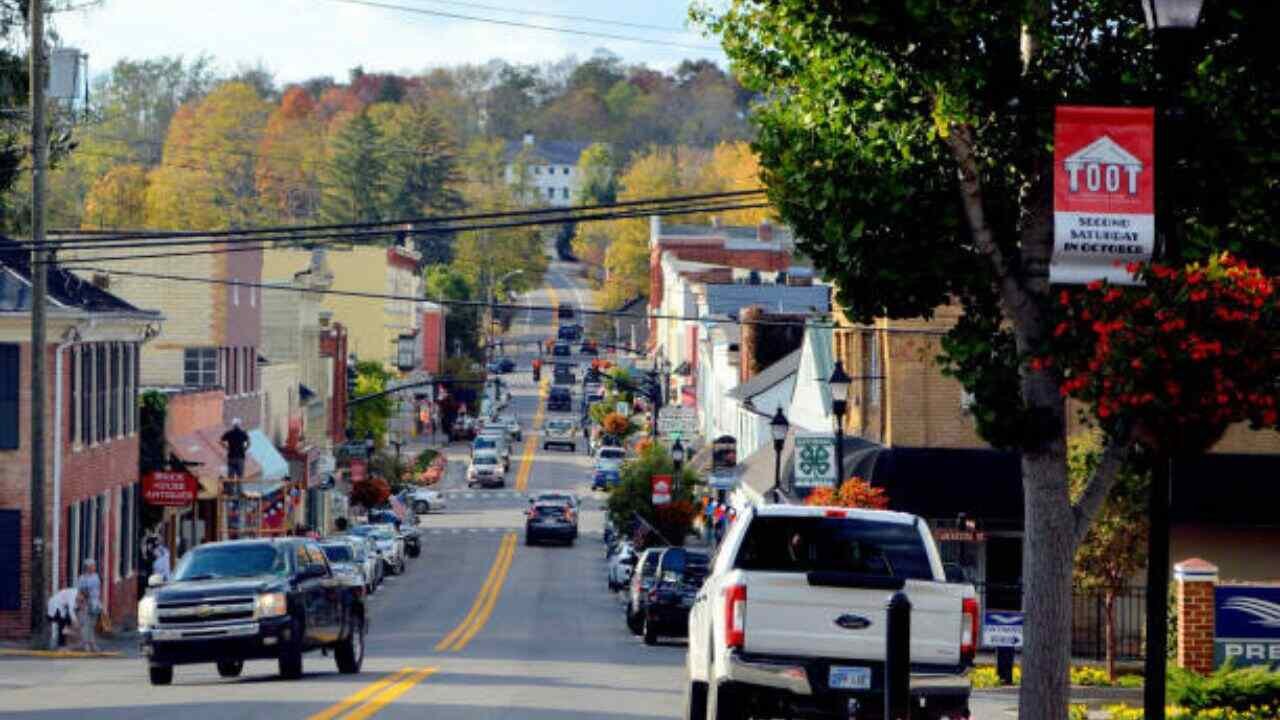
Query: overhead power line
pixel 528 26
pixel 559 215
pixel 577 18
pixel 447 302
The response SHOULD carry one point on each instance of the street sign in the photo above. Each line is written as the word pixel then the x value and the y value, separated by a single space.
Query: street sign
pixel 1246 625
pixel 814 463
pixel 674 419
pixel 1002 628
pixel 661 489
pixel 1103 193
pixel 169 489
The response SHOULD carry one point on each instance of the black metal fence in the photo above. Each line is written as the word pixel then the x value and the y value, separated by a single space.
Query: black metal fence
pixel 1088 618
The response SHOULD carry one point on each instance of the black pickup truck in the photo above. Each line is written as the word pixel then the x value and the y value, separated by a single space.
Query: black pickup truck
pixel 249 600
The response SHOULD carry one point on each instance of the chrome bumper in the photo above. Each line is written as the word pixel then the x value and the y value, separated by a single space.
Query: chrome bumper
pixel 793 677
pixel 201 633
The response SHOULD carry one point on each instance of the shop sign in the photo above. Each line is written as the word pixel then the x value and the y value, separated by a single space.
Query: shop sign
pixel 661 489
pixel 1246 625
pixel 1103 193
pixel 169 489
pixel 1002 628
pixel 814 463
pixel 724 454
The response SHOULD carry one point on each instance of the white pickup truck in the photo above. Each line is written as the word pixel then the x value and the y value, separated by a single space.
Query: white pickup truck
pixel 791 620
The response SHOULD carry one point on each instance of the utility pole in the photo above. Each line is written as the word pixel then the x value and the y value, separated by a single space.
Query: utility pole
pixel 39 288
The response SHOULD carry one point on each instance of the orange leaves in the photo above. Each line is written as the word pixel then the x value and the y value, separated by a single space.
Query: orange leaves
pixel 852 493
pixel 615 424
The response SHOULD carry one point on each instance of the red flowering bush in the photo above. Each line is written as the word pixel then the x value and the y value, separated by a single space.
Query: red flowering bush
pixel 1176 361
pixel 370 493
pixel 854 493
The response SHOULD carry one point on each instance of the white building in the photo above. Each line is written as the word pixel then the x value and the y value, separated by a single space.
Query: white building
pixel 551 168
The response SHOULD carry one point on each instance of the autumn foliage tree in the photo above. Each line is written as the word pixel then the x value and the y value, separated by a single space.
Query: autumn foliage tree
pixel 290 156
pixel 117 200
pixel 370 493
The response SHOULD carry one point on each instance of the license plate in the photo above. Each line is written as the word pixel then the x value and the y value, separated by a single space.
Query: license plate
pixel 842 677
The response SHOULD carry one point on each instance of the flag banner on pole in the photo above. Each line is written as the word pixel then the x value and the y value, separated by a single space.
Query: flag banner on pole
pixel 1103 193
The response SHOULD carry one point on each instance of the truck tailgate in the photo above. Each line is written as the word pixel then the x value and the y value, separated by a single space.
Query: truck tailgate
pixel 786 615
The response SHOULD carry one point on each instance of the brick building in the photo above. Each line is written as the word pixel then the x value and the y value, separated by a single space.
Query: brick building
pixel 91 465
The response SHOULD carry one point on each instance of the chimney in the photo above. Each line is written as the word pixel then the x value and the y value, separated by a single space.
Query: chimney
pixel 748 342
pixel 528 139
pixel 764 232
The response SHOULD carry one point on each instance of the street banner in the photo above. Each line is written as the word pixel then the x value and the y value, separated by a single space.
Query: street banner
pixel 814 464
pixel 1246 625
pixel 169 489
pixel 661 489
pixel 1103 193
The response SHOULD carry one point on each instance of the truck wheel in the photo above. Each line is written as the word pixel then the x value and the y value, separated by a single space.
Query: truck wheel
pixel 650 633
pixel 724 703
pixel 633 623
pixel 695 701
pixel 349 654
pixel 290 661
pixel 160 674
pixel 230 668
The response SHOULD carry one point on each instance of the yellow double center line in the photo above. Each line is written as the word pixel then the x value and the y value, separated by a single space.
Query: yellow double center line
pixel 375 696
pixel 482 608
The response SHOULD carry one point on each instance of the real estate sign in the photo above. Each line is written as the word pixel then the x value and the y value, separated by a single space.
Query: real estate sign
pixel 1246 625
pixel 814 463
pixel 1103 193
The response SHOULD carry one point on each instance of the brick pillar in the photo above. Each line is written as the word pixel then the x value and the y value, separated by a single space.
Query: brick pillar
pixel 1195 579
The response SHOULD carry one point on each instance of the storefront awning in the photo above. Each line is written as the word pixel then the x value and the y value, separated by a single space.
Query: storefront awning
pixel 207 459
pixel 264 453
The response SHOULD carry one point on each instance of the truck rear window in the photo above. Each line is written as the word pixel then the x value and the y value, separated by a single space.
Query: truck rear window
pixel 806 544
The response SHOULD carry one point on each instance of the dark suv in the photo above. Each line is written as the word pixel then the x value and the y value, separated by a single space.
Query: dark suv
pixel 642 580
pixel 250 600
pixel 675 585
pixel 549 521
pixel 560 399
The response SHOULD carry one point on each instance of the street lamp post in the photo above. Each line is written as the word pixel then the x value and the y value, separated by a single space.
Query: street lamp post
pixel 778 426
pixel 677 460
pixel 1172 23
pixel 839 383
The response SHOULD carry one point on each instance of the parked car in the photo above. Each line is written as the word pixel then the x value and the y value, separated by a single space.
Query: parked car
pixel 562 374
pixel 390 546
pixel 366 553
pixel 678 581
pixel 621 565
pixel 560 399
pixel 485 470
pixel 569 333
pixel 561 349
pixel 641 582
pixel 343 562
pixel 560 432
pixel 501 365
pixel 248 600
pixel 424 500
pixel 790 618
pixel 493 442
pixel 549 521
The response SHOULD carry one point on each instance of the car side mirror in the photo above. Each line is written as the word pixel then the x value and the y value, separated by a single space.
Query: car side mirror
pixel 156 580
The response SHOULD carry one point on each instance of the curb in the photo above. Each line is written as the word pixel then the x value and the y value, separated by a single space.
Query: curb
pixel 58 654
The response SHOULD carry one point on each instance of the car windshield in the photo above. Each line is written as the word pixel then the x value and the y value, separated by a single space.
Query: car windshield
pixel 222 561
pixel 611 453
pixel 555 497
pixel 383 534
pixel 549 511
pixel 338 552
pixel 806 544
pixel 484 460
pixel 559 425
pixel 485 442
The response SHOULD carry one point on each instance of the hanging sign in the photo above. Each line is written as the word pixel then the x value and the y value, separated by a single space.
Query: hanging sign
pixel 169 489
pixel 661 489
pixel 1103 193
pixel 814 463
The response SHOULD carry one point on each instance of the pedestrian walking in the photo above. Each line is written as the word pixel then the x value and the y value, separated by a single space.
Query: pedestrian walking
pixel 162 562
pixel 61 612
pixel 89 605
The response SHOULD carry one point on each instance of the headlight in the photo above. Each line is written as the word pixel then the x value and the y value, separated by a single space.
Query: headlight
pixel 270 605
pixel 147 612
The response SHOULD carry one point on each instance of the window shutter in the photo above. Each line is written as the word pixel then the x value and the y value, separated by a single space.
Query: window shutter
pixel 10 376
pixel 10 557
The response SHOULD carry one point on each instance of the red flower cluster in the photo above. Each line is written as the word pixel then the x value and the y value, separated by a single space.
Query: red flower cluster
pixel 1182 357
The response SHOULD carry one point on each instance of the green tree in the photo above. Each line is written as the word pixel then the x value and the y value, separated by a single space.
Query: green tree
pixel 354 172
pixel 422 177
pixel 1115 548
pixel 910 146
pixel 632 497
pixel 369 418
pixel 461 322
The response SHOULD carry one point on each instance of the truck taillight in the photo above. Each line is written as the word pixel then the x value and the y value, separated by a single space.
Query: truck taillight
pixel 735 616
pixel 968 629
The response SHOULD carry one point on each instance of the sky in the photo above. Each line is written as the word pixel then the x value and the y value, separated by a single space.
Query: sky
pixel 300 39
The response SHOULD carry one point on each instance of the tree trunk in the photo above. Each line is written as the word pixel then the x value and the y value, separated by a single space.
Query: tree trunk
pixel 1047 558
pixel 1109 607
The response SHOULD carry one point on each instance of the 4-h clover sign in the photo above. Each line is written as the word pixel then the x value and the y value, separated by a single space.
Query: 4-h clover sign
pixel 814 464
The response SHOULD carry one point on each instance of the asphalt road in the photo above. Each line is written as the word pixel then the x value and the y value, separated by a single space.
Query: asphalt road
pixel 480 626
